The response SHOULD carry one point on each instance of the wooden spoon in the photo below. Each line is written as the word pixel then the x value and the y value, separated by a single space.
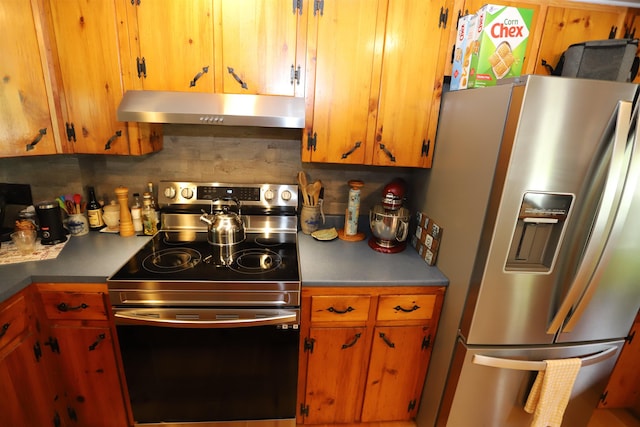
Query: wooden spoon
pixel 314 192
pixel 302 182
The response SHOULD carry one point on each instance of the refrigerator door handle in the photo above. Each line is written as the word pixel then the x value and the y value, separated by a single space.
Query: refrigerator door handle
pixel 533 365
pixel 632 177
pixel 604 219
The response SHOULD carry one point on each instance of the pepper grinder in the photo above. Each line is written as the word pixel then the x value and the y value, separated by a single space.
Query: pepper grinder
pixel 126 223
pixel 350 232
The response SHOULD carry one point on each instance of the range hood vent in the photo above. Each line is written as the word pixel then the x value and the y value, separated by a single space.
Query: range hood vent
pixel 151 106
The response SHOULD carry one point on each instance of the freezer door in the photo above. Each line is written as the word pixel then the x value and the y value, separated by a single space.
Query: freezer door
pixel 489 386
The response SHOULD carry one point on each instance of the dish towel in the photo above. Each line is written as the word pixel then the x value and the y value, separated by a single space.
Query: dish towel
pixel 551 390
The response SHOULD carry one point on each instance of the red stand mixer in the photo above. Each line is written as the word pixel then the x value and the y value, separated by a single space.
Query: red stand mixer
pixel 389 220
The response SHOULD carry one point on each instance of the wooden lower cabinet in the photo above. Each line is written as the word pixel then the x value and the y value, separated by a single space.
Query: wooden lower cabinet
pixel 364 352
pixel 27 397
pixel 87 372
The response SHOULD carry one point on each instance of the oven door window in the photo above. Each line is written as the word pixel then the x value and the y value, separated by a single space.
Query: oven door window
pixel 200 374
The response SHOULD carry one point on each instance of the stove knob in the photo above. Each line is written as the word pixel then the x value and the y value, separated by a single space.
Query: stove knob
pixel 170 192
pixel 286 195
pixel 187 193
pixel 268 195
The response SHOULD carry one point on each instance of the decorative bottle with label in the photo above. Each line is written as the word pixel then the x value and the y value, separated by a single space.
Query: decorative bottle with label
pixel 94 212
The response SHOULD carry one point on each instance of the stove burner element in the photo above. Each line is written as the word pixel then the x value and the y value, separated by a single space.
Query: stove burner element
pixel 256 261
pixel 268 242
pixel 172 260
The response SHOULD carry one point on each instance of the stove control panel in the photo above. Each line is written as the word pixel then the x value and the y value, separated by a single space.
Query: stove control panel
pixel 199 193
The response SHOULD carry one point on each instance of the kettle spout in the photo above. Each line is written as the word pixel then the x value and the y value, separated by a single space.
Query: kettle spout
pixel 205 218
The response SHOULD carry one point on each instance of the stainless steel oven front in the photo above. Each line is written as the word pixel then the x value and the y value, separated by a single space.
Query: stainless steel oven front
pixel 204 366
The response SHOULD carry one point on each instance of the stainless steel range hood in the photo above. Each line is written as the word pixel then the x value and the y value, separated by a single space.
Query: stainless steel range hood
pixel 150 106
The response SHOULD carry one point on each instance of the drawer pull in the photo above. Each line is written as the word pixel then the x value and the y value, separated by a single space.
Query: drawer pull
pixel 64 307
pixel 352 343
pixel 4 330
pixel 414 308
pixel 386 340
pixel 335 310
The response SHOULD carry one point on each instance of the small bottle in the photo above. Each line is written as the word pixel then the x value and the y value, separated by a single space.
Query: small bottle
pixel 136 213
pixel 94 212
pixel 149 221
pixel 154 203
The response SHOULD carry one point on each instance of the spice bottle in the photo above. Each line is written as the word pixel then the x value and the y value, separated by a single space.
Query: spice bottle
pixel 136 213
pixel 149 221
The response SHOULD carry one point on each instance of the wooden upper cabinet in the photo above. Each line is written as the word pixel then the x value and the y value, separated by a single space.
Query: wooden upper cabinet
pixel 25 119
pixel 171 45
pixel 344 49
pixel 257 47
pixel 374 81
pixel 566 25
pixel 411 83
pixel 86 59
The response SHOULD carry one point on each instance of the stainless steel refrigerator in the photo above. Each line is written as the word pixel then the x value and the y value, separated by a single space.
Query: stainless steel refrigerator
pixel 535 184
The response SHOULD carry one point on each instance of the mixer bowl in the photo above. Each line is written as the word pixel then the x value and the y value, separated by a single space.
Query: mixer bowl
pixel 389 227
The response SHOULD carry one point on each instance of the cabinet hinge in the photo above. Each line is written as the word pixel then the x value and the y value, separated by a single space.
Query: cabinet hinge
pixel 142 67
pixel 304 410
pixel 412 405
pixel 71 132
pixel 56 420
pixel 53 343
pixel 426 144
pixel 308 344
pixel 297 6
pixel 37 351
pixel 318 6
pixel 603 396
pixel 629 337
pixel 443 18
pixel 72 413
pixel 295 74
pixel 311 141
pixel 612 33
pixel 426 342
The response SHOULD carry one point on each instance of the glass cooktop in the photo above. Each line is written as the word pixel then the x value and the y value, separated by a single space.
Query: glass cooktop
pixel 188 256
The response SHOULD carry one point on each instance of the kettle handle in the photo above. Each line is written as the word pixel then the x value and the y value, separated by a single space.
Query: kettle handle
pixel 227 199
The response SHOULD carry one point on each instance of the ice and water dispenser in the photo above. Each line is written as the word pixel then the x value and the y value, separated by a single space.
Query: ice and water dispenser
pixel 537 235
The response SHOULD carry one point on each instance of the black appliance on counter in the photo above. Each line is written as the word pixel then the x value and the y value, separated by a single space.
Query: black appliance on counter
pixel 13 198
pixel 210 332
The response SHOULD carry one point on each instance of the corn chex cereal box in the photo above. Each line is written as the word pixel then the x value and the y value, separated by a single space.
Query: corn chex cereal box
pixel 462 52
pixel 426 238
pixel 502 33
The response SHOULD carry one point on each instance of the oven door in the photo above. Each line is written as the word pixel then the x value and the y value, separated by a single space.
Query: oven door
pixel 193 366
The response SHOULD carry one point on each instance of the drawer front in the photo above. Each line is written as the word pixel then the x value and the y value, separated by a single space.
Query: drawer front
pixel 406 307
pixel 62 305
pixel 13 320
pixel 340 308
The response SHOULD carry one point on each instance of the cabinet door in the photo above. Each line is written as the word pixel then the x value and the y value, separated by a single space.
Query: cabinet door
pixel 27 397
pixel 335 375
pixel 173 46
pixel 89 375
pixel 86 41
pixel 397 368
pixel 256 47
pixel 24 109
pixel 411 83
pixel 565 26
pixel 342 50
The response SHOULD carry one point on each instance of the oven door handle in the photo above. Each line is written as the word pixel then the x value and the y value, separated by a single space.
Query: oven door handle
pixel 205 318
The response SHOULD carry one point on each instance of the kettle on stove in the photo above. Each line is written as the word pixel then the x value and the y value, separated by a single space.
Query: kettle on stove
pixel 389 220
